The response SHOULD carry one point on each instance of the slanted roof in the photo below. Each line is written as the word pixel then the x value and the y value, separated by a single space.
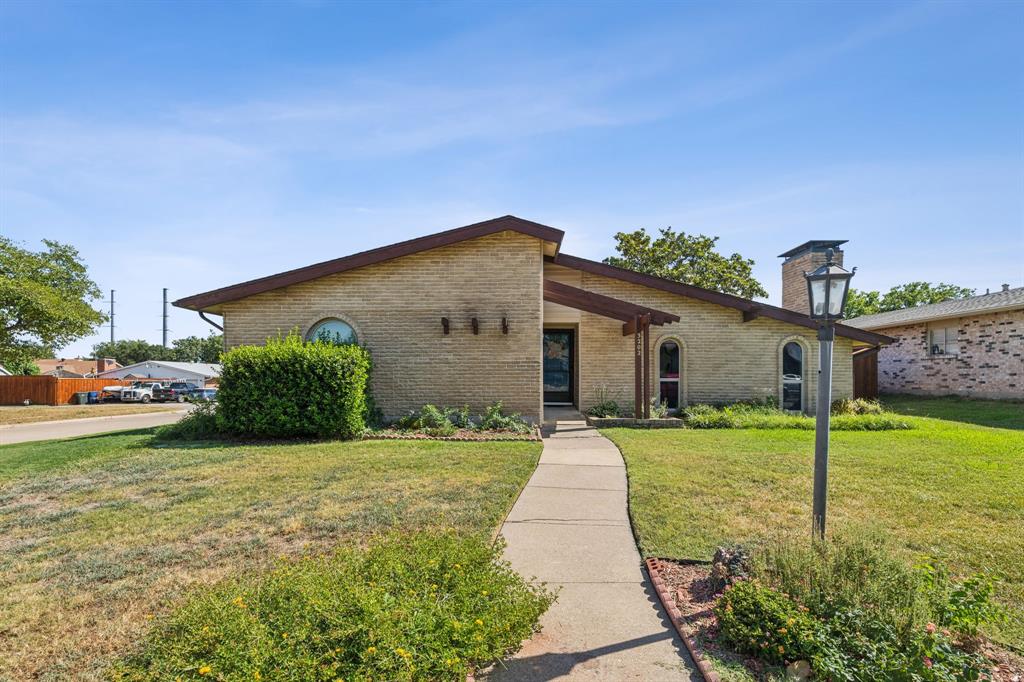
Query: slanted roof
pixel 599 304
pixel 751 309
pixel 205 369
pixel 209 299
pixel 1010 299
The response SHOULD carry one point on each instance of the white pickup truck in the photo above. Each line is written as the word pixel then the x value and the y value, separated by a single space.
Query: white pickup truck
pixel 140 392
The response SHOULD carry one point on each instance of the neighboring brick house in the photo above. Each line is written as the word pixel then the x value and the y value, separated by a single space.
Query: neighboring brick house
pixel 494 311
pixel 75 368
pixel 972 347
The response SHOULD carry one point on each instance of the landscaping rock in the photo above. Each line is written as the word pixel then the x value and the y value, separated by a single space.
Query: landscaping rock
pixel 729 564
pixel 798 670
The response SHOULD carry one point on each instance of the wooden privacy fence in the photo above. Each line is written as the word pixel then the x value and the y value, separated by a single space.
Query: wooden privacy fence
pixel 48 390
pixel 865 373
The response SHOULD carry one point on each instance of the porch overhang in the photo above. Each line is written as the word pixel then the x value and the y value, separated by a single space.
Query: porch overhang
pixel 636 322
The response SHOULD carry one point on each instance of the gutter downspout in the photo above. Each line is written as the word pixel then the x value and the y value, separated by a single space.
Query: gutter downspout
pixel 209 321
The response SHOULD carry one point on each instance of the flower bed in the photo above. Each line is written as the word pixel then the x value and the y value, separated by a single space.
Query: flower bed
pixel 464 435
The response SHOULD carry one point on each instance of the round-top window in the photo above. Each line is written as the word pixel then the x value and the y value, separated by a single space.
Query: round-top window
pixel 332 331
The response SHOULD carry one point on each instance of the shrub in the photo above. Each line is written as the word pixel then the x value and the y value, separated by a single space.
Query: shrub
pixel 846 406
pixel 434 421
pixel 459 417
pixel 289 388
pixel 607 408
pixel 748 415
pixel 758 620
pixel 496 420
pixel 409 607
pixel 200 423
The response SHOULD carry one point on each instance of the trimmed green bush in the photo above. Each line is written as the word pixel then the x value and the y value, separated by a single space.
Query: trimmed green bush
pixel 762 416
pixel 199 424
pixel 409 607
pixel 289 388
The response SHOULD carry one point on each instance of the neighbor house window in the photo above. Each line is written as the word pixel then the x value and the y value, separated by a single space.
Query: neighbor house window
pixel 793 377
pixel 332 330
pixel 669 363
pixel 943 341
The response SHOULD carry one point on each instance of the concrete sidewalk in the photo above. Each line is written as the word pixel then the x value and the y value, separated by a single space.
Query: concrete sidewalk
pixel 570 528
pixel 69 428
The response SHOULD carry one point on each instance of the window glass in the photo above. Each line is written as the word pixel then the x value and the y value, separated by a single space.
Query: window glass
pixel 668 374
pixel 332 331
pixel 943 341
pixel 793 377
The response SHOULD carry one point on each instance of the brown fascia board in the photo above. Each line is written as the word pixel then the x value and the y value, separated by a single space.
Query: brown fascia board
pixel 364 258
pixel 716 297
pixel 599 304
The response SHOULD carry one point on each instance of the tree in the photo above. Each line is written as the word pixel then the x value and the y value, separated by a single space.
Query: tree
pixel 23 367
pixel 44 300
pixel 690 259
pixel 903 296
pixel 198 349
pixel 130 351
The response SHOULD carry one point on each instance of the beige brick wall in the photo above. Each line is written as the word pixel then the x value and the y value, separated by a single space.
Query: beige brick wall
pixel 990 363
pixel 724 358
pixel 794 284
pixel 396 309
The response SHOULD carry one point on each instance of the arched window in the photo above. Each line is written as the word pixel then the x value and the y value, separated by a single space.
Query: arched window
pixel 332 330
pixel 793 377
pixel 669 373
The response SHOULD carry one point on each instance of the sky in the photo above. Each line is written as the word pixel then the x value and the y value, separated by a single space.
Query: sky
pixel 193 145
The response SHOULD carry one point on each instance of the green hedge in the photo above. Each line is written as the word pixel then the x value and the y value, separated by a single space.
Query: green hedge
pixel 759 416
pixel 289 388
pixel 410 607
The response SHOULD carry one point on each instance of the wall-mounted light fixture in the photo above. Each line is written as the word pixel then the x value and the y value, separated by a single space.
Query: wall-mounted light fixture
pixel 444 325
pixel 504 325
pixel 476 325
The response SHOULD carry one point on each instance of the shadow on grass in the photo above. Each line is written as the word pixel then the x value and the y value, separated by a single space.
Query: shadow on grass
pixel 1002 414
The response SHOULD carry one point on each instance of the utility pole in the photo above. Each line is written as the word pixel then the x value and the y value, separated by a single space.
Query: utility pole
pixel 165 317
pixel 111 316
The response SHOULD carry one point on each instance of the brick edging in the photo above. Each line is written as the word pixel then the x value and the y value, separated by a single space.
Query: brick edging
pixel 676 616
pixel 532 437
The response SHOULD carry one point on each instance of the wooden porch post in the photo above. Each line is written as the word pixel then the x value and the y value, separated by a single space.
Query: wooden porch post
pixel 647 368
pixel 638 391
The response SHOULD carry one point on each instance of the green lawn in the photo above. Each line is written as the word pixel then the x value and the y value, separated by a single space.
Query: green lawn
pixel 98 533
pixel 949 490
pixel 1006 414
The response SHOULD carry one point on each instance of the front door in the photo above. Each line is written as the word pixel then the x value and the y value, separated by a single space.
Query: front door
pixel 559 360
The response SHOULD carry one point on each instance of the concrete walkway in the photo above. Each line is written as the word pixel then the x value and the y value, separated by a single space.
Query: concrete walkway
pixel 69 428
pixel 570 528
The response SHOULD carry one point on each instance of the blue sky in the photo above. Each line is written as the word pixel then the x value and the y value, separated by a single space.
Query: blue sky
pixel 193 145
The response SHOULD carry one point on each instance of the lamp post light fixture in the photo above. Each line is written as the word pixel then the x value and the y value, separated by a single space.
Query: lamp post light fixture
pixel 827 289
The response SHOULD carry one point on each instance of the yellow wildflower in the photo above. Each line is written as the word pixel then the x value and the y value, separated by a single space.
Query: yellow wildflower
pixel 256 675
pixel 371 649
pixel 205 670
pixel 782 631
pixel 484 592
pixel 782 649
pixel 284 635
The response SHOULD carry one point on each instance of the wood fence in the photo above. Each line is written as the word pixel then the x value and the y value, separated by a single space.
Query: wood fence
pixel 49 390
pixel 865 373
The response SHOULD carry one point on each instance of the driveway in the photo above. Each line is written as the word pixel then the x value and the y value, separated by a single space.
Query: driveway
pixel 69 428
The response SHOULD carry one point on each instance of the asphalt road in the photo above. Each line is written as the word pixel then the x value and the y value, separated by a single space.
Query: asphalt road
pixel 69 428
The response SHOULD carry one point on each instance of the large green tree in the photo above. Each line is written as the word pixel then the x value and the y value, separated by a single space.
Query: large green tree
pixel 45 300
pixel 187 349
pixel 690 259
pixel 903 296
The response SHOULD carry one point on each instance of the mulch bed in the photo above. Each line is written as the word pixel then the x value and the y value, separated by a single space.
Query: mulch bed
pixel 688 586
pixel 462 435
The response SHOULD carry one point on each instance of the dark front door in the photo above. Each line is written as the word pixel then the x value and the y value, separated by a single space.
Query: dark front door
pixel 558 358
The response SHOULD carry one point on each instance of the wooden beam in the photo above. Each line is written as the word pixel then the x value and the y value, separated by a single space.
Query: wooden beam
pixel 638 391
pixel 749 315
pixel 647 371
pixel 581 299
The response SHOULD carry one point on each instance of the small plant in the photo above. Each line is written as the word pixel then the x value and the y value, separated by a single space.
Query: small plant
pixel 762 415
pixel 851 406
pixel 434 421
pixel 608 408
pixel 760 621
pixel 495 420
pixel 659 409
pixel 409 607
pixel 459 417
pixel 200 423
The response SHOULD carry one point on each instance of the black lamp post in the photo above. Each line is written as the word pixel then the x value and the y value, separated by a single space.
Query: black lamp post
pixel 827 289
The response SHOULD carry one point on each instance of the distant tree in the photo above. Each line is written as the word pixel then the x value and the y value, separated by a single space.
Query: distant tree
pixel 690 259
pixel 45 300
pixel 23 367
pixel 198 349
pixel 903 296
pixel 130 351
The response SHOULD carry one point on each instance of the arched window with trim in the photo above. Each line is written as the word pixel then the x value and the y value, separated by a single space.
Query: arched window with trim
pixel 793 377
pixel 670 357
pixel 332 330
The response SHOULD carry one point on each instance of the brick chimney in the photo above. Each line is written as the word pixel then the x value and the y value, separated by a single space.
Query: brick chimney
pixel 804 258
pixel 103 364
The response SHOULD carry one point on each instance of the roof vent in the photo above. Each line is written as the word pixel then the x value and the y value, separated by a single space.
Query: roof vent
pixel 1006 287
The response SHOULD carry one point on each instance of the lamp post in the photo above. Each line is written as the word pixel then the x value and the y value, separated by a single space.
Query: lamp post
pixel 827 289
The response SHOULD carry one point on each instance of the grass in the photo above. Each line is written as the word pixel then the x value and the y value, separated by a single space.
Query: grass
pixel 1005 414
pixel 41 413
pixel 946 490
pixel 99 533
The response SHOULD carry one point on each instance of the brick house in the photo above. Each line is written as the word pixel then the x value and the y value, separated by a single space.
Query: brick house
pixel 971 347
pixel 495 311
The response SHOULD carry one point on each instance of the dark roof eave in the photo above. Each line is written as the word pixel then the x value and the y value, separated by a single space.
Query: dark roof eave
pixel 234 292
pixel 716 297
